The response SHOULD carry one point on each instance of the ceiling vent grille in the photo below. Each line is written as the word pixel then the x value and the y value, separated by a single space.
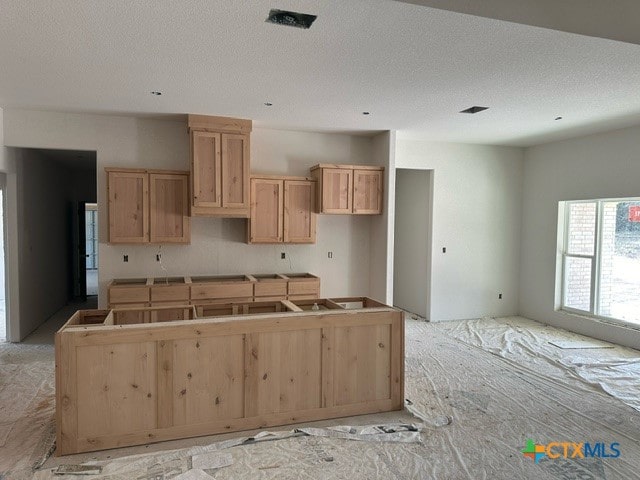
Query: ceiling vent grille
pixel 290 19
pixel 474 109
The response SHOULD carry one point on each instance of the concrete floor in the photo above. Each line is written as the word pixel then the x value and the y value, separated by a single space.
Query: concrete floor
pixel 494 404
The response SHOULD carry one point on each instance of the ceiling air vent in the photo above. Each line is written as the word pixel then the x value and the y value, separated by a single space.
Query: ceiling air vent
pixel 474 109
pixel 290 19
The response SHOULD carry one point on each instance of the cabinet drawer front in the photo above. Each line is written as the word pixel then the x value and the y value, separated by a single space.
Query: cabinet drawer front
pixel 311 296
pixel 311 287
pixel 128 295
pixel 169 293
pixel 238 290
pixel 271 289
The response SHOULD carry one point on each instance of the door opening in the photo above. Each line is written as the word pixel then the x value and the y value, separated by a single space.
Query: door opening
pixel 91 248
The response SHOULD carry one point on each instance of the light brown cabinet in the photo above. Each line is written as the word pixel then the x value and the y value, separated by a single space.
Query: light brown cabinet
pixel 220 163
pixel 148 206
pixel 282 210
pixel 349 189
pixel 212 289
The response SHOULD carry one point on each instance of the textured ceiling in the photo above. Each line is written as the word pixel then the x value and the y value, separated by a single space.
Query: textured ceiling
pixel 412 67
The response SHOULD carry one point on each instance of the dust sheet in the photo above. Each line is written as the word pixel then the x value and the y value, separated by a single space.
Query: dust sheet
pixel 611 368
pixel 476 410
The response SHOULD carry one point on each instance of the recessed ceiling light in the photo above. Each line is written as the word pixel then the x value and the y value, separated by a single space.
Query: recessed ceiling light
pixel 290 19
pixel 268 104
pixel 558 118
pixel 366 113
pixel 474 109
pixel 156 93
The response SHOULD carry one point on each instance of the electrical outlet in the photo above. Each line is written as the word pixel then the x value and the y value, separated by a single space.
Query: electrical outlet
pixel 499 296
pixel 283 255
pixel 125 258
pixel 329 254
pixel 158 257
pixel 444 249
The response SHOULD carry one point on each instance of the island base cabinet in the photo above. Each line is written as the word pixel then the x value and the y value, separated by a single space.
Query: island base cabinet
pixel 120 386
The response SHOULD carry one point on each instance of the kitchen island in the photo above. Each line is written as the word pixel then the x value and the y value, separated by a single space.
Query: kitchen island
pixel 222 368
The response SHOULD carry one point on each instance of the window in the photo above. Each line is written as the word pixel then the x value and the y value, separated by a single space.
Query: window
pixel 601 258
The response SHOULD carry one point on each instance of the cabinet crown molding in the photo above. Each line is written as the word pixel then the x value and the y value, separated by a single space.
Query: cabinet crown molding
pixel 218 124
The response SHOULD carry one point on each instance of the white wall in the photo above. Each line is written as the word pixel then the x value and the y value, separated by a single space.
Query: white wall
pixel 217 244
pixel 412 242
pixel 381 255
pixel 476 216
pixel 45 226
pixel 597 166
pixel 12 273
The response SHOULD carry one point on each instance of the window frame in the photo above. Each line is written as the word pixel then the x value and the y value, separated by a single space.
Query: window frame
pixel 596 261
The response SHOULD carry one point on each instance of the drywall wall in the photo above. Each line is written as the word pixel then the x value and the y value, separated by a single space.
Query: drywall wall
pixel 12 273
pixel 381 254
pixel 476 217
pixel 597 166
pixel 412 242
pixel 44 239
pixel 217 244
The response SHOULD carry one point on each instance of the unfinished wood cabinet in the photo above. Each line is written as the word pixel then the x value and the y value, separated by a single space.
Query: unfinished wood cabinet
pixel 349 189
pixel 267 207
pixel 282 210
pixel 367 191
pixel 119 386
pixel 220 162
pixel 148 206
pixel 169 220
pixel 128 194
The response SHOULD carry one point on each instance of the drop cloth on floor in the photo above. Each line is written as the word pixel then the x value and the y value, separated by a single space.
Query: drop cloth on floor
pixel 614 369
pixel 492 406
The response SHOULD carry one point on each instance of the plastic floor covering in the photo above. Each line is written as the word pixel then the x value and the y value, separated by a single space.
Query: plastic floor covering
pixel 481 389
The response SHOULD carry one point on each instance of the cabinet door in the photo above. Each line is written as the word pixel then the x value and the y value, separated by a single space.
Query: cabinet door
pixel 235 170
pixel 337 186
pixel 169 208
pixel 299 208
pixel 265 224
pixel 128 194
pixel 367 191
pixel 206 169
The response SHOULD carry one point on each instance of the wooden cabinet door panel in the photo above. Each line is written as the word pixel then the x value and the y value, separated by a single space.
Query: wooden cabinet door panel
pixel 265 224
pixel 169 208
pixel 367 191
pixel 235 170
pixel 116 389
pixel 282 372
pixel 299 208
pixel 206 169
pixel 337 187
pixel 128 207
pixel 207 381
pixel 365 351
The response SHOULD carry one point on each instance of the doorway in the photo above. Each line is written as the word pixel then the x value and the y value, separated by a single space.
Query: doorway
pixel 91 248
pixel 412 241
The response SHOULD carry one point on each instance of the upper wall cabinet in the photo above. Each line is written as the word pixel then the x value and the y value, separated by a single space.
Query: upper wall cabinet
pixel 282 210
pixel 349 189
pixel 148 206
pixel 219 166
